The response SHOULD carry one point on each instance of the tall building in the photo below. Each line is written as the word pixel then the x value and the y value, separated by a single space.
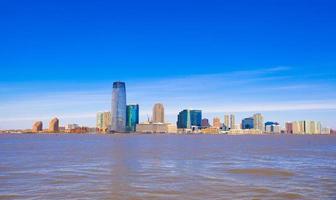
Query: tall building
pixel 227 122
pixel 186 119
pixel 54 125
pixel 272 127
pixel 118 111
pixel 258 122
pixel 103 121
pixel 205 123
pixel 132 117
pixel 248 123
pixel 216 123
pixel 289 127
pixel 232 121
pixel 37 127
pixel 158 113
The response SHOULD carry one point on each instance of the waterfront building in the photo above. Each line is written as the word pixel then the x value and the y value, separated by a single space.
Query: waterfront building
pixel 325 131
pixel 258 122
pixel 272 127
pixel 188 118
pixel 103 121
pixel 210 130
pixel 118 110
pixel 37 127
pixel 232 121
pixel 248 123
pixel 216 123
pixel 132 117
pixel 289 127
pixel 158 113
pixel 244 131
pixel 156 128
pixel 227 122
pixel 205 123
pixel 306 127
pixel 54 125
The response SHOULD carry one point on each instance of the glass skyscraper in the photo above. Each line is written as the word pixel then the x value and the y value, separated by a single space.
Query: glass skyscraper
pixel 118 111
pixel 132 117
pixel 247 123
pixel 188 118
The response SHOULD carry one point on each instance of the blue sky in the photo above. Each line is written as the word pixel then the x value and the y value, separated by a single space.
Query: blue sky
pixel 59 58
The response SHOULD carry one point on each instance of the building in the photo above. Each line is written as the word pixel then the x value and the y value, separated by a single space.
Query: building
pixel 272 127
pixel 205 123
pixel 216 122
pixel 258 122
pixel 226 122
pixel 37 127
pixel 103 122
pixel 54 125
pixel 248 123
pixel 232 121
pixel 156 128
pixel 187 119
pixel 306 127
pixel 244 131
pixel 158 113
pixel 210 130
pixel 289 127
pixel 132 117
pixel 326 131
pixel 118 110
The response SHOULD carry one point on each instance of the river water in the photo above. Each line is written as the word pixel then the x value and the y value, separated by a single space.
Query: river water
pixel 167 167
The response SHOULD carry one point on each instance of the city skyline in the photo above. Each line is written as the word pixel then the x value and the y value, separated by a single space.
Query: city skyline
pixel 243 57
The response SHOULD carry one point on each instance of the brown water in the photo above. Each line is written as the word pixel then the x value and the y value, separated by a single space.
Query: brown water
pixel 167 167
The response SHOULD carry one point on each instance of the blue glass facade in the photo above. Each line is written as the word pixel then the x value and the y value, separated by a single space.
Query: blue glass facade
pixel 132 117
pixel 188 118
pixel 118 111
pixel 247 123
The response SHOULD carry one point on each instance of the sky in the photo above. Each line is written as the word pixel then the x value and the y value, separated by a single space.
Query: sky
pixel 60 58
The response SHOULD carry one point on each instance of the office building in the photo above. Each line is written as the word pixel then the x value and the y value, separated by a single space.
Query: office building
pixel 205 123
pixel 216 122
pixel 158 113
pixel 54 125
pixel 156 128
pixel 132 117
pixel 118 110
pixel 248 123
pixel 232 121
pixel 289 127
pixel 187 119
pixel 226 122
pixel 258 122
pixel 37 127
pixel 103 122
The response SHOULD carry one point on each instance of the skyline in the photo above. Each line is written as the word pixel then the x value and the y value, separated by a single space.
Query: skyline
pixel 274 57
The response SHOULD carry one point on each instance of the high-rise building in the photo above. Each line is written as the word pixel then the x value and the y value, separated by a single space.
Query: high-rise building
pixel 158 113
pixel 248 123
pixel 258 122
pixel 103 121
pixel 37 127
pixel 118 111
pixel 216 122
pixel 132 117
pixel 272 127
pixel 232 121
pixel 54 125
pixel 186 119
pixel 226 122
pixel 205 123
pixel 289 127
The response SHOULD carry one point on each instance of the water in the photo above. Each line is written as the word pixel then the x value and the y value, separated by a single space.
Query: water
pixel 167 167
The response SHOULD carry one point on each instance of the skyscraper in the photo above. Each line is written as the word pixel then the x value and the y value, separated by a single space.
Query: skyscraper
pixel 232 121
pixel 216 122
pixel 103 121
pixel 132 117
pixel 118 111
pixel 247 123
pixel 258 122
pixel 226 122
pixel 54 125
pixel 37 127
pixel 205 123
pixel 158 113
pixel 186 119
